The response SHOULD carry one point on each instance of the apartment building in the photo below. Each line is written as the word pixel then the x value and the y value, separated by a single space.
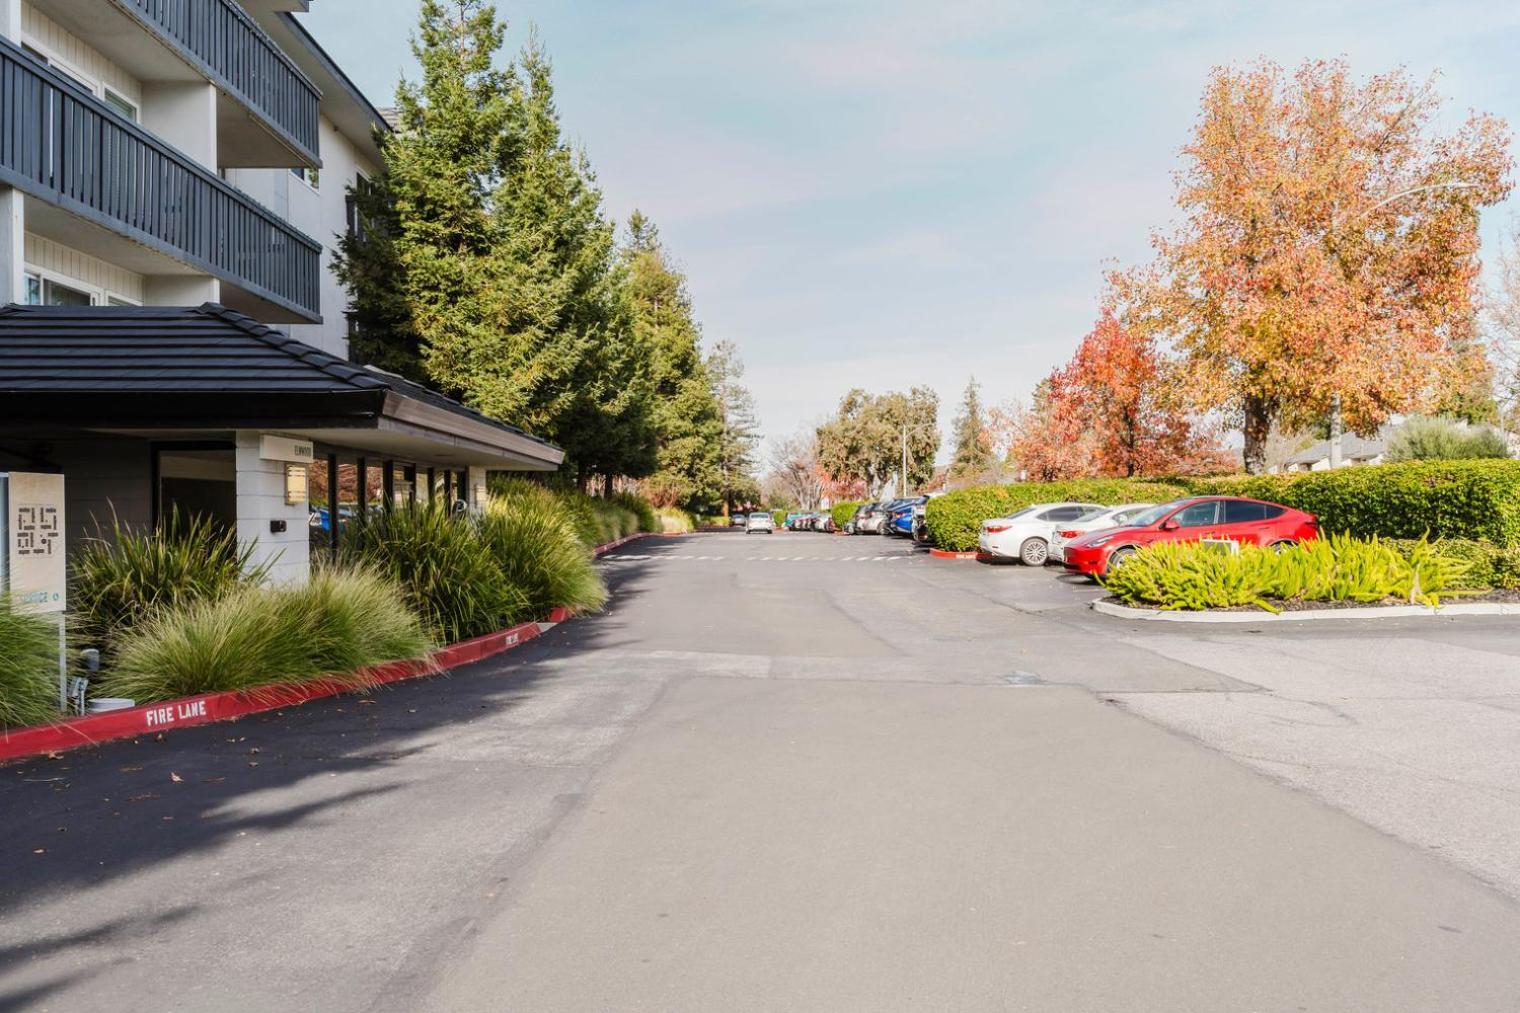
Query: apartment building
pixel 174 178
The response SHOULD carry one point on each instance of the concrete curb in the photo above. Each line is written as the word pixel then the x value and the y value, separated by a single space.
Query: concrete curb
pixel 208 708
pixel 1108 608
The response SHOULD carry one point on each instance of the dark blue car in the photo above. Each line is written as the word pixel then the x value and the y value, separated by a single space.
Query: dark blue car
pixel 900 516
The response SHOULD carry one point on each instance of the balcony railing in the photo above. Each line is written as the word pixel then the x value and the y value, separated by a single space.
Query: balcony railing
pixel 64 146
pixel 231 49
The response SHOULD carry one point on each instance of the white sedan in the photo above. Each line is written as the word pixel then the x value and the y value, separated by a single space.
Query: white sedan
pixel 1026 535
pixel 1111 517
pixel 759 522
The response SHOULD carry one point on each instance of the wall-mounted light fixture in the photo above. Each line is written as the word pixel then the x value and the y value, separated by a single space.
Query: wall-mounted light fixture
pixel 296 485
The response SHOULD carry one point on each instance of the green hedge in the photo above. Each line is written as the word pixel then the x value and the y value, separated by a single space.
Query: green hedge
pixel 1444 499
pixel 955 519
pixel 842 512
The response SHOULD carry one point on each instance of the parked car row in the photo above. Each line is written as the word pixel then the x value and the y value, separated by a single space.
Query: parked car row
pixel 1091 539
pixel 810 522
pixel 902 517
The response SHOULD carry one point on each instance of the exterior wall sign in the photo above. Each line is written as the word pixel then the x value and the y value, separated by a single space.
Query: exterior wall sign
pixel 283 448
pixel 35 548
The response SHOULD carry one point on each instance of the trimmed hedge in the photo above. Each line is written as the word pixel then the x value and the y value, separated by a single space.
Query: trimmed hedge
pixel 1442 499
pixel 955 519
pixel 842 512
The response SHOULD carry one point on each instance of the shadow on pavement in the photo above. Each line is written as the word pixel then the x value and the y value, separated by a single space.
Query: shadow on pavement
pixel 92 816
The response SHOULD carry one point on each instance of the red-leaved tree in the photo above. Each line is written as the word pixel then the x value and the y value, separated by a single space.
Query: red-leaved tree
pixel 1106 412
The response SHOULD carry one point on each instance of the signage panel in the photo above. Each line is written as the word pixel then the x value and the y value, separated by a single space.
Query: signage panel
pixel 35 550
pixel 284 448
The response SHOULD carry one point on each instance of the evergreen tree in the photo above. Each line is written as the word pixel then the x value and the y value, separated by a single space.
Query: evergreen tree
pixel 738 436
pixel 973 451
pixel 424 240
pixel 685 408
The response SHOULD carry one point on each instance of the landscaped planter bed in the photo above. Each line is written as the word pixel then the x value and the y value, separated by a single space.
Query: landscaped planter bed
pixel 206 708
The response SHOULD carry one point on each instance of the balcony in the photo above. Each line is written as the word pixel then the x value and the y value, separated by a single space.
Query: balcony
pixel 268 109
pixel 64 147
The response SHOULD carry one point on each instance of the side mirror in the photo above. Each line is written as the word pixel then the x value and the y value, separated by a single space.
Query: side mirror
pixel 1170 525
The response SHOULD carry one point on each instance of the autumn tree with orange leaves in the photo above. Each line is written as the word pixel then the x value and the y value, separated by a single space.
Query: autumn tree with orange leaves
pixel 1329 249
pixel 1107 413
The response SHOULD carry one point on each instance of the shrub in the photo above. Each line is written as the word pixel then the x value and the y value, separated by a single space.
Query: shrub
pixel 28 667
pixel 955 519
pixel 643 513
pixel 675 520
pixel 446 570
pixel 778 518
pixel 1192 576
pixel 532 536
pixel 1442 439
pixel 1442 499
pixel 122 577
pixel 1488 565
pixel 338 626
pixel 842 512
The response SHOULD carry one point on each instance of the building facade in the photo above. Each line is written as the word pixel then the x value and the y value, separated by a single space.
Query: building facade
pixel 174 178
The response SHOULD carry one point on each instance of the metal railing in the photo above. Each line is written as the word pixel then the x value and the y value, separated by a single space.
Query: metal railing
pixel 230 48
pixel 61 144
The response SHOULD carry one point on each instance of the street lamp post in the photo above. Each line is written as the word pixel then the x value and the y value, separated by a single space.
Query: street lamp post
pixel 902 476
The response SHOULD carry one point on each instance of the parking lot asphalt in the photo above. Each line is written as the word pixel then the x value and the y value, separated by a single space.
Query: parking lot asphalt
pixel 807 772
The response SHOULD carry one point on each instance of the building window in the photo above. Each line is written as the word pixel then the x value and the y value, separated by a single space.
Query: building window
pixel 122 105
pixel 311 177
pixel 42 291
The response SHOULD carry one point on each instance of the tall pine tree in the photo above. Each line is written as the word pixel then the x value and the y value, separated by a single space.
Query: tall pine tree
pixel 685 410
pixel 738 435
pixel 973 450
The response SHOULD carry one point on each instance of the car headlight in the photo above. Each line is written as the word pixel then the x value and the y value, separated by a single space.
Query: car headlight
pixel 1100 541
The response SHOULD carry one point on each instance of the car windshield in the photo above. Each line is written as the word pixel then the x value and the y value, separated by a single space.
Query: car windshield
pixel 759 517
pixel 1154 514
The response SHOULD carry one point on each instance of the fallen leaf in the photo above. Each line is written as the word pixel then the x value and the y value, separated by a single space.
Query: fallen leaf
pixel 175 777
pixel 140 798
pixel 130 770
pixel 39 851
pixel 253 763
pixel 212 780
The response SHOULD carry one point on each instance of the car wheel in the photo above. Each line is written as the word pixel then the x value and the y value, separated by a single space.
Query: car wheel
pixel 1118 559
pixel 1286 543
pixel 1034 552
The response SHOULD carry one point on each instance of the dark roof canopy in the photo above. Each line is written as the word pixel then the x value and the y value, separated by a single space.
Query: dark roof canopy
pixel 167 367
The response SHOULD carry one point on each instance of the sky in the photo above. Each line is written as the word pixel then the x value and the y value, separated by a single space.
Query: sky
pixel 883 193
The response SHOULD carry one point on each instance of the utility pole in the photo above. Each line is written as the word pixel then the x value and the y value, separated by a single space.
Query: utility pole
pixel 1336 430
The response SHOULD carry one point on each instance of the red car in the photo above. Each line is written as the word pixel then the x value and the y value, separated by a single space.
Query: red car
pixel 1228 518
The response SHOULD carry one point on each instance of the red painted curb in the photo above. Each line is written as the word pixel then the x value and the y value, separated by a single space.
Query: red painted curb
pixel 207 708
pixel 947 554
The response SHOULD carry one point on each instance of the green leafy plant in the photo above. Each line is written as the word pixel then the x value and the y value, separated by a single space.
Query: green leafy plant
pixel 28 667
pixel 842 512
pixel 1442 499
pixel 447 571
pixel 955 519
pixel 1444 439
pixel 121 576
pixel 1194 576
pixel 532 536
pixel 340 625
pixel 674 520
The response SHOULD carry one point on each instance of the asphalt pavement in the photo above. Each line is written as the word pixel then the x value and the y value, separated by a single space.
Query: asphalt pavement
pixel 804 772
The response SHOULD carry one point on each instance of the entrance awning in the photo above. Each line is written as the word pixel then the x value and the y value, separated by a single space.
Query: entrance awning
pixel 173 369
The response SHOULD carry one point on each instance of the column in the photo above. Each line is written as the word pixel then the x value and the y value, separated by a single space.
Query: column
pixel 261 510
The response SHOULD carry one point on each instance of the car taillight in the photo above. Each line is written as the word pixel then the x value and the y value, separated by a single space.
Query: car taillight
pixel 1068 534
pixel 993 529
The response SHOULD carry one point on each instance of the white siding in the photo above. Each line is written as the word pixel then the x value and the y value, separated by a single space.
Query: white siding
pixel 52 39
pixel 261 499
pixel 95 273
pixel 341 165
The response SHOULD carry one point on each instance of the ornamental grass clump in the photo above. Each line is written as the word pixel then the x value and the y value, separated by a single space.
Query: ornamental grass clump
pixel 446 570
pixel 532 536
pixel 1194 577
pixel 339 626
pixel 675 521
pixel 28 667
pixel 122 576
